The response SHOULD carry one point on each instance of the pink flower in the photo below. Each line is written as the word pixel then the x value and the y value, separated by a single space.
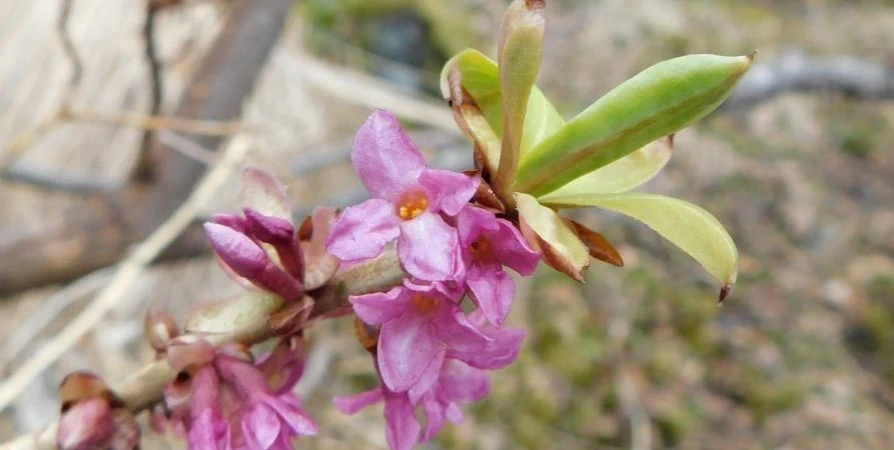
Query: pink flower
pixel 457 384
pixel 419 326
pixel 487 244
pixel 408 197
pixel 401 426
pixel 208 429
pixel 268 421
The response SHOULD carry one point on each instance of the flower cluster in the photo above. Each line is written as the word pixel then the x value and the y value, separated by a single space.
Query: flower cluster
pixel 429 352
pixel 225 400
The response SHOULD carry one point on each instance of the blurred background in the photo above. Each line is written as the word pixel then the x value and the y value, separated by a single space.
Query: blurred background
pixel 798 166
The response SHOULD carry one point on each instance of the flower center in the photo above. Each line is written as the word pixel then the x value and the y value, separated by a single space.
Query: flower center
pixel 412 205
pixel 423 304
pixel 480 249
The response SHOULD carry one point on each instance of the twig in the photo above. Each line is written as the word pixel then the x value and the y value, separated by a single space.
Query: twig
pixel 156 87
pixel 156 123
pixel 144 388
pixel 49 309
pixel 795 71
pixel 70 51
pixel 370 92
pixel 127 272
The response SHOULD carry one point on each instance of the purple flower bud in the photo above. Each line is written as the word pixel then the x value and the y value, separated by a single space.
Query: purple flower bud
pixel 279 233
pixel 88 424
pixel 248 260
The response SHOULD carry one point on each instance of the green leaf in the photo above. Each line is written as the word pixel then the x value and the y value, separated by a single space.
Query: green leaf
pixel 659 101
pixel 520 51
pixel 467 78
pixel 546 231
pixel 622 175
pixel 687 226
pixel 478 76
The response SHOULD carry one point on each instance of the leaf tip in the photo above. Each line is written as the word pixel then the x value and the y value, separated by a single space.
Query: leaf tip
pixel 724 292
pixel 751 56
pixel 535 4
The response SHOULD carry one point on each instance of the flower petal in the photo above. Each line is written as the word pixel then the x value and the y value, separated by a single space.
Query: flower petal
pixel 456 332
pixel 407 345
pixel 434 417
pixel 401 427
pixel 513 250
pixel 261 427
pixel 448 191
pixel 427 379
pixel 462 383
pixel 427 248
pixel 380 307
pixel 385 158
pixel 363 230
pixel 289 409
pixel 350 404
pixel 501 351
pixel 493 291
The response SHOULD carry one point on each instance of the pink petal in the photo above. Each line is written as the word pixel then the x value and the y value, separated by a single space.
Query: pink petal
pixel 350 404
pixel 454 414
pixel 472 221
pixel 407 345
pixel 260 427
pixel 456 332
pixel 363 230
pixel 448 191
pixel 237 250
pixel 462 383
pixel 513 250
pixel 427 379
pixel 385 158
pixel 501 351
pixel 380 307
pixel 401 427
pixel 427 248
pixel 493 291
pixel 289 409
pixel 434 417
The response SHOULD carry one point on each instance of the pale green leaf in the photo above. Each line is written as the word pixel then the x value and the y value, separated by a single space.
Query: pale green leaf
pixel 687 226
pixel 520 50
pixel 622 175
pixel 659 101
pixel 479 76
pixel 558 244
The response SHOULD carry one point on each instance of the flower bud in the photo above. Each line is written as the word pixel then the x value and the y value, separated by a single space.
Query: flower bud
pixel 87 424
pixel 160 328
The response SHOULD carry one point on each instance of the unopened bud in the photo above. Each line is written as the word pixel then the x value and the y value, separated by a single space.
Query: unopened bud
pixel 160 328
pixel 279 233
pixel 86 425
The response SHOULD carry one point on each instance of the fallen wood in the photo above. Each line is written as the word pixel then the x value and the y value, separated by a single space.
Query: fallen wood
pixel 99 228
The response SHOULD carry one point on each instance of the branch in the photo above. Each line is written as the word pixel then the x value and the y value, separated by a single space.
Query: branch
pixel 98 230
pixel 144 388
pixel 795 71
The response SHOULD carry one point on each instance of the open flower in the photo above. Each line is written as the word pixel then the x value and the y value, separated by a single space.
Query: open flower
pixel 458 383
pixel 419 327
pixel 268 421
pixel 487 244
pixel 401 426
pixel 409 199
